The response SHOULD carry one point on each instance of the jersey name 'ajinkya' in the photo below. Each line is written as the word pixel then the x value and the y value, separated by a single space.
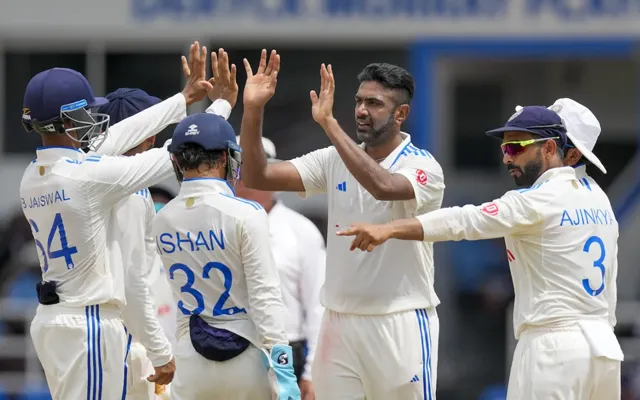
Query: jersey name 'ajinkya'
pixel 189 241
pixel 45 200
pixel 584 216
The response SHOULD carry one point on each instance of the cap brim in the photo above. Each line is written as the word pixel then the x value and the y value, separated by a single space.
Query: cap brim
pixel 499 133
pixel 98 102
pixel 586 153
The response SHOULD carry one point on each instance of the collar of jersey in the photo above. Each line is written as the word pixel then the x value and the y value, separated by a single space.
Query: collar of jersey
pixel 555 173
pixel 54 153
pixel 581 170
pixel 194 186
pixel 391 159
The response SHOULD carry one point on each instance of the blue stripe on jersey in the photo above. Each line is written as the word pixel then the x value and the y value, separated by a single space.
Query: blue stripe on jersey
pixel 251 203
pixel 144 193
pixel 411 150
pixel 534 187
pixel 93 353
pixel 93 158
pixel 89 346
pixel 99 352
pixel 126 368
pixel 425 340
pixel 429 348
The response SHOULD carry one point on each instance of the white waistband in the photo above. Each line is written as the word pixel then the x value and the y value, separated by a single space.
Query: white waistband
pixel 104 310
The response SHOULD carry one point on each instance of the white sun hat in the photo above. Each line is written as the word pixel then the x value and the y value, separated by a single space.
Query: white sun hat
pixel 583 128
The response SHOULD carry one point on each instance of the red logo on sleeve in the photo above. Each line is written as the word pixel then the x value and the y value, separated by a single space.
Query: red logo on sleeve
pixel 491 209
pixel 421 177
pixel 510 256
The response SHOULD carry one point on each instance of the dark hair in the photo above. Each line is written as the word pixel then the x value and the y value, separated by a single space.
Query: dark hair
pixel 191 156
pixel 391 77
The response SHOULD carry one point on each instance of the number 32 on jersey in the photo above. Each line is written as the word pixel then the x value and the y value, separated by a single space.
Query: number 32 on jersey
pixel 218 308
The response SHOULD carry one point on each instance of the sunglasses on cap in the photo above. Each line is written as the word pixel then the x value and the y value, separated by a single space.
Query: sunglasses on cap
pixel 515 147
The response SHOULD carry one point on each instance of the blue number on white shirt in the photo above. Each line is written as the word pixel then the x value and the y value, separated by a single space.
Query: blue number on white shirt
pixel 228 280
pixel 597 264
pixel 65 251
pixel 45 267
pixel 188 288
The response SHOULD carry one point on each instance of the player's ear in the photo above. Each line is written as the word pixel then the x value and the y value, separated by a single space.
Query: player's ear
pixel 572 156
pixel 401 113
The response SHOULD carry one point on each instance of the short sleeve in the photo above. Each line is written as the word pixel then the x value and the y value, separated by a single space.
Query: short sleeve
pixel 427 181
pixel 314 169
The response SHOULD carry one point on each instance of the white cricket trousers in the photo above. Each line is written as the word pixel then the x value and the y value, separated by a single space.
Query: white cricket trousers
pixel 139 367
pixel 82 351
pixel 557 364
pixel 377 357
pixel 241 378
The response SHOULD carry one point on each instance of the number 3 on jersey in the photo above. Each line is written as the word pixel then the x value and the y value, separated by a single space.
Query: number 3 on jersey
pixel 188 288
pixel 65 251
pixel 596 264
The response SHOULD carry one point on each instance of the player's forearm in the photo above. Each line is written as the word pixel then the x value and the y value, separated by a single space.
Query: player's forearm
pixel 132 131
pixel 149 168
pixel 375 179
pixel 462 223
pixel 268 316
pixel 140 316
pixel 254 166
pixel 406 229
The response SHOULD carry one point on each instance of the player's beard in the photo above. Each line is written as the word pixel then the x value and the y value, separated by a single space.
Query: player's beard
pixel 529 173
pixel 375 136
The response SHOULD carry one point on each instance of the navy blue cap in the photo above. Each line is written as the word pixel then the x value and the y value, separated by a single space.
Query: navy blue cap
pixel 536 120
pixel 126 102
pixel 210 131
pixel 49 90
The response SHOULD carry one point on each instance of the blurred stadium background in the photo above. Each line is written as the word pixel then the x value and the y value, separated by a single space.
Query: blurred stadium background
pixel 473 61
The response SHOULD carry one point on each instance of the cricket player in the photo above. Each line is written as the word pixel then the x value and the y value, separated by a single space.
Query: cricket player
pixel 68 197
pixel 561 238
pixel 384 301
pixel 231 338
pixel 150 348
pixel 299 253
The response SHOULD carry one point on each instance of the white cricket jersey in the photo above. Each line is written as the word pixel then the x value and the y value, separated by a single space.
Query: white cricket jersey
pixel 300 256
pixel 562 244
pixel 68 197
pixel 137 245
pixel 216 250
pixel 398 275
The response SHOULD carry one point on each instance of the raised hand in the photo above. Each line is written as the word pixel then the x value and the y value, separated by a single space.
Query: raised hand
pixel 322 104
pixel 197 86
pixel 223 82
pixel 261 86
